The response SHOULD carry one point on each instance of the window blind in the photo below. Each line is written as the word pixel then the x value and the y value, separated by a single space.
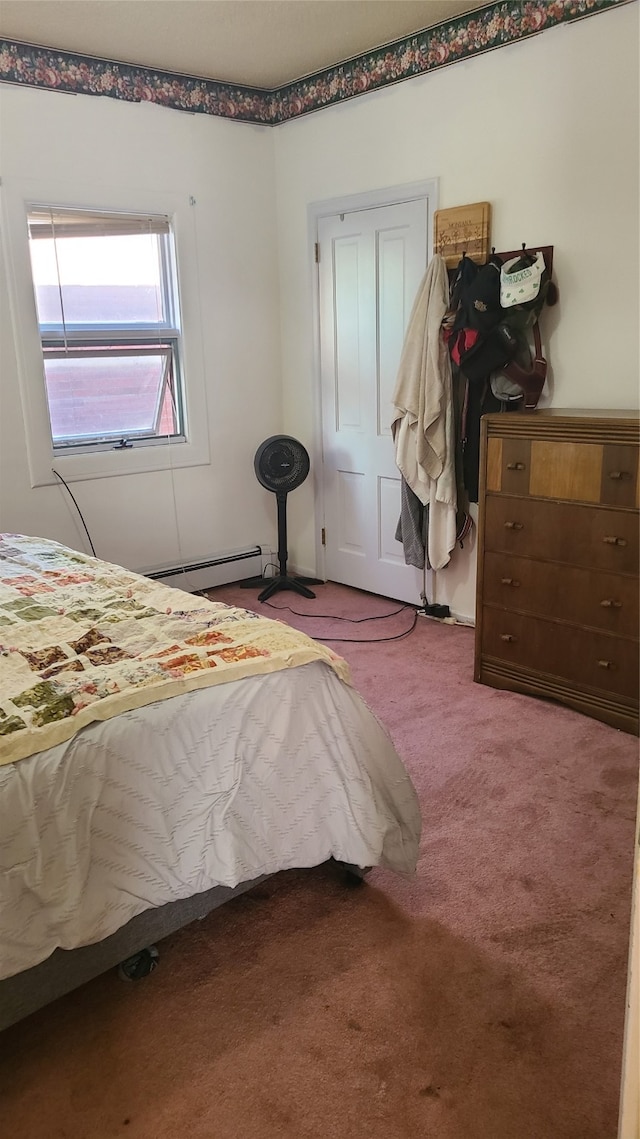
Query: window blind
pixel 48 222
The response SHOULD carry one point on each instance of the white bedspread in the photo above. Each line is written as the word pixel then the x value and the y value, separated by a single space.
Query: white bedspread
pixel 216 786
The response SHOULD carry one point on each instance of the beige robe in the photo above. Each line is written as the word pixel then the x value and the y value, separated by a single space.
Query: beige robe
pixel 423 422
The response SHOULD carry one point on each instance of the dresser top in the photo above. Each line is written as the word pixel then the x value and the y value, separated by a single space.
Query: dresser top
pixel 571 413
pixel 566 424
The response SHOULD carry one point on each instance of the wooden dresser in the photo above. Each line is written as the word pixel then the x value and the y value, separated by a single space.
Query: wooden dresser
pixel 557 597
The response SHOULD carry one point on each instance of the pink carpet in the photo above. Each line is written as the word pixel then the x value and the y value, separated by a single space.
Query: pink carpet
pixel 483 999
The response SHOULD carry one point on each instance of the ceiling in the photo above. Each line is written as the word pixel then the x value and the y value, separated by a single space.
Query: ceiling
pixel 254 43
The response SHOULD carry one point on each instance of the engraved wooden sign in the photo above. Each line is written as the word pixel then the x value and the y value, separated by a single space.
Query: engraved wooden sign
pixel 463 229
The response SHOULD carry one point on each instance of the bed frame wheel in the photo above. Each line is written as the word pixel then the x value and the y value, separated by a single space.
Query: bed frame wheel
pixel 139 965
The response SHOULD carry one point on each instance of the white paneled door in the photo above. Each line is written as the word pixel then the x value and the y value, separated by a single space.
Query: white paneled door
pixel 371 264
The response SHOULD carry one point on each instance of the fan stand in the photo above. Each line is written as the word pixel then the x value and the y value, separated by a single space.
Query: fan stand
pixel 283 580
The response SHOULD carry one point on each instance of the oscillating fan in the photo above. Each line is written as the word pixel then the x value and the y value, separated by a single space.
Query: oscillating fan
pixel 281 464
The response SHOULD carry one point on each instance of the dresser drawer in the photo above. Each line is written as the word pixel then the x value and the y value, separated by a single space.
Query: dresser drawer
pixel 584 472
pixel 581 596
pixel 619 476
pixel 573 471
pixel 592 537
pixel 592 659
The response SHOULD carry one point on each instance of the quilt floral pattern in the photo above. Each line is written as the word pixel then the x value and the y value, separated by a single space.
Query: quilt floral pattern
pixel 82 640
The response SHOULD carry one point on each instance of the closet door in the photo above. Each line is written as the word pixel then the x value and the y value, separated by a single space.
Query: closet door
pixel 371 264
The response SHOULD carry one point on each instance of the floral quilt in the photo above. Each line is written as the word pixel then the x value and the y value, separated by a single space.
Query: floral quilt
pixel 82 640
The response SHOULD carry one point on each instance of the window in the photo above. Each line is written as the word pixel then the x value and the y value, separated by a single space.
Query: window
pixel 109 323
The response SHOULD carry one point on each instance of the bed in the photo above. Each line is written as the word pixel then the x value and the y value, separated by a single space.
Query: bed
pixel 159 754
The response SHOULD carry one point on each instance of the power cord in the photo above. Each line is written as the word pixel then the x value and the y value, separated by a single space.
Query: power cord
pixel 77 508
pixel 355 621
pixel 332 617
pixel 374 640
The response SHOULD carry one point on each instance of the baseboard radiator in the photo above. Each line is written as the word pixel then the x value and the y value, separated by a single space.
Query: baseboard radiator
pixel 206 573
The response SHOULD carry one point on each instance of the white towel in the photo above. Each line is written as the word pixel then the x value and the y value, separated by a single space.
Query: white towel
pixel 423 423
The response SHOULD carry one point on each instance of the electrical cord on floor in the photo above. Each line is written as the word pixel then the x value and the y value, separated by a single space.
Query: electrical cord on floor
pixel 355 621
pixel 77 508
pixel 374 640
pixel 334 617
pixel 351 620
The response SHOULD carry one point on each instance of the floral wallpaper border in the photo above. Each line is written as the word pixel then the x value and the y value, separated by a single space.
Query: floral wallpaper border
pixel 484 29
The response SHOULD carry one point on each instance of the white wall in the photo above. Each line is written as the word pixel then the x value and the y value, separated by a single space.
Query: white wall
pixel 56 144
pixel 547 131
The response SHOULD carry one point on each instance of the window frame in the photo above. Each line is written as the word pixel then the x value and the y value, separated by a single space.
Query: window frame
pixel 62 340
pixel 104 460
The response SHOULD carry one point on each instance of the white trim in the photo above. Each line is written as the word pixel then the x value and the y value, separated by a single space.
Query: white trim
pixel 350 203
pixel 16 195
pixel 372 199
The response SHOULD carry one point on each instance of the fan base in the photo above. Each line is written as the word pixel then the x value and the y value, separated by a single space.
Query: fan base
pixel 277 583
pixel 281 581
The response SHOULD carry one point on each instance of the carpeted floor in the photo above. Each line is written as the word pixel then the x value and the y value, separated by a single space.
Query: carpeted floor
pixel 482 999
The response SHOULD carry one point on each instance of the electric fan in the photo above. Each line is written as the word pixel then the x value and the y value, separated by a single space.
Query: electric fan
pixel 281 464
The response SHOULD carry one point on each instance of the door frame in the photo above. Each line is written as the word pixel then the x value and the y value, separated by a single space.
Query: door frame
pixel 426 190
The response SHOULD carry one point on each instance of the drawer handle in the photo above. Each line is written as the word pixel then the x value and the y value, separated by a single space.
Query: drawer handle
pixel 619 474
pixel 518 467
pixel 610 603
pixel 606 664
pixel 510 581
pixel 507 637
pixel 513 525
pixel 611 540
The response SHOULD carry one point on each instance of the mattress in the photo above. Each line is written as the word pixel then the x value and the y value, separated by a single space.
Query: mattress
pixel 214 786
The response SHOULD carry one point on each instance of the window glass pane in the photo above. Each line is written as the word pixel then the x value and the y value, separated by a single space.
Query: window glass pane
pixel 89 281
pixel 111 395
pixel 168 415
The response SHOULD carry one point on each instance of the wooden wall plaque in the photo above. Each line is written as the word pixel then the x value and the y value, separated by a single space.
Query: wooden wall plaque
pixel 463 229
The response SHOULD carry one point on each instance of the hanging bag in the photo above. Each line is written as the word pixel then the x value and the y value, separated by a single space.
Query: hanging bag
pixel 515 382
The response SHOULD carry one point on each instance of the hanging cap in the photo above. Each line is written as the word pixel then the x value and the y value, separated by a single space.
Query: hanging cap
pixel 464 523
pixel 520 280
